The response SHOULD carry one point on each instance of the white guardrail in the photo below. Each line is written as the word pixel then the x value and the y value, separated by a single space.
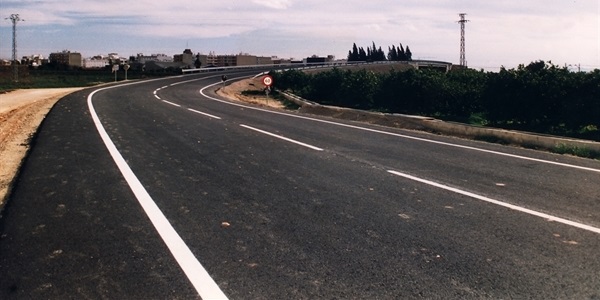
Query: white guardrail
pixel 292 65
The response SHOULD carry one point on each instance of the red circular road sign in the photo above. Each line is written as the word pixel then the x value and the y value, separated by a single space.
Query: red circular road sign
pixel 267 80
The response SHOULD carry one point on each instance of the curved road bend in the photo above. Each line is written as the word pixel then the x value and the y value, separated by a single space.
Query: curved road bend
pixel 201 198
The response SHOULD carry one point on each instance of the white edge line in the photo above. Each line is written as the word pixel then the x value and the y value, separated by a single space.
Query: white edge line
pixel 168 102
pixel 206 287
pixel 203 113
pixel 282 137
pixel 500 203
pixel 397 134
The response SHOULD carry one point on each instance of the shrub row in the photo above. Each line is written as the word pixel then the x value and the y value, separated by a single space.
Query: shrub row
pixel 540 97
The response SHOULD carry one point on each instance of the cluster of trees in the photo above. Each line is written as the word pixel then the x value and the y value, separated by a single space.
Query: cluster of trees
pixel 375 53
pixel 540 97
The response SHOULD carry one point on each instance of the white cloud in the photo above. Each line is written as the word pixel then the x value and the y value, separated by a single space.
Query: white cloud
pixel 276 4
pixel 499 32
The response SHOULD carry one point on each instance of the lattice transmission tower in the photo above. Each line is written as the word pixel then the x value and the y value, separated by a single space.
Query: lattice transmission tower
pixel 462 21
pixel 14 19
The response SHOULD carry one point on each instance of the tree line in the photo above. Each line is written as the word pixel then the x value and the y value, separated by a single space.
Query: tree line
pixel 375 53
pixel 540 97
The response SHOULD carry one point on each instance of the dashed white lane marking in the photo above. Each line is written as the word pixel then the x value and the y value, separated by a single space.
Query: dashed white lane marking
pixel 203 113
pixel 168 102
pixel 206 287
pixel 500 203
pixel 282 137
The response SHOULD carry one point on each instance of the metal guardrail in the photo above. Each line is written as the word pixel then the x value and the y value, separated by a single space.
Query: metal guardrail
pixel 309 65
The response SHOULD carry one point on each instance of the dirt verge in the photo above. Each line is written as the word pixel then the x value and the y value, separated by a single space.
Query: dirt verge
pixel 21 113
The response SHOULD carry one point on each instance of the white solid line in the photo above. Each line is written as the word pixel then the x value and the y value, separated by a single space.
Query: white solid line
pixel 174 104
pixel 283 138
pixel 203 113
pixel 206 287
pixel 500 203
pixel 397 134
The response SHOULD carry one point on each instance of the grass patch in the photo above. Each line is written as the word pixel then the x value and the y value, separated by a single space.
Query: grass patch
pixel 32 78
pixel 274 95
pixel 491 139
pixel 576 151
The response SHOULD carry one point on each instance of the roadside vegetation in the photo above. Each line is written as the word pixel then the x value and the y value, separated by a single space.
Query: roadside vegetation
pixel 52 76
pixel 540 97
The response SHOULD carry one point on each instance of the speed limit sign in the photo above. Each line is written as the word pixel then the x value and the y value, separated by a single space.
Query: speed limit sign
pixel 267 80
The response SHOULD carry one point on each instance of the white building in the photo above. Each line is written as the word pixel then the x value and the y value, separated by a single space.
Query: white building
pixel 95 63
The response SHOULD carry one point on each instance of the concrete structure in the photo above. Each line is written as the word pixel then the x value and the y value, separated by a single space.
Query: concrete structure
pixel 241 60
pixel 141 58
pixel 71 59
pixel 316 59
pixel 280 61
pixel 226 61
pixel 35 60
pixel 187 59
pixel 431 64
pixel 204 61
pixel 95 63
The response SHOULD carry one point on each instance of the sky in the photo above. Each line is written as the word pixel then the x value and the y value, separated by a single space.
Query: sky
pixel 499 33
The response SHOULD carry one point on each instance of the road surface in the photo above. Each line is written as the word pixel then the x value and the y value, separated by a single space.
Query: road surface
pixel 159 189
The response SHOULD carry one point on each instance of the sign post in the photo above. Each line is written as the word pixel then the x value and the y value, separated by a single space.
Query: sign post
pixel 115 69
pixel 126 67
pixel 267 81
pixel 223 79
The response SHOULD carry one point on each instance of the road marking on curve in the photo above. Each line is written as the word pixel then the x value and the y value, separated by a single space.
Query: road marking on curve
pixel 397 134
pixel 168 102
pixel 500 203
pixel 203 113
pixel 206 287
pixel 282 137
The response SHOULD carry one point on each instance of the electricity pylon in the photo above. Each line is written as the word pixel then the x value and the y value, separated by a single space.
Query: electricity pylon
pixel 463 61
pixel 15 18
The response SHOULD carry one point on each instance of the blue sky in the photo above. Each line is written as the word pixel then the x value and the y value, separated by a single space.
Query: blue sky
pixel 500 33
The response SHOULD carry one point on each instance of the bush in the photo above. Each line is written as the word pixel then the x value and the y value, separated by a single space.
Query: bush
pixel 539 97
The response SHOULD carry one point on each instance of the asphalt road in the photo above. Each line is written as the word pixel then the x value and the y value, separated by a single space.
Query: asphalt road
pixel 187 196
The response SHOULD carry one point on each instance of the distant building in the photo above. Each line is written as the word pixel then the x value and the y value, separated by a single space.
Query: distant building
pixel 114 58
pixel 280 61
pixel 71 59
pixel 141 58
pixel 204 60
pixel 316 59
pixel 95 62
pixel 226 61
pixel 241 60
pixel 35 60
pixel 187 58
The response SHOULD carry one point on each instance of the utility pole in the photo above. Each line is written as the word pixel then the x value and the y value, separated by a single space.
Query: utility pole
pixel 15 18
pixel 463 61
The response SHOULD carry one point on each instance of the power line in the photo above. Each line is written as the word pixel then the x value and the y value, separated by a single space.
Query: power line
pixel 463 61
pixel 15 18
